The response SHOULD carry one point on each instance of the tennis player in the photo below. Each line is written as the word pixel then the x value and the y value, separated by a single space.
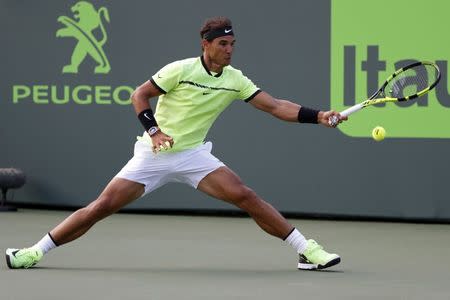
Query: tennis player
pixel 192 93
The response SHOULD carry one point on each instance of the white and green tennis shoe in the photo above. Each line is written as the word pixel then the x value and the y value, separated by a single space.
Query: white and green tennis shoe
pixel 315 257
pixel 23 258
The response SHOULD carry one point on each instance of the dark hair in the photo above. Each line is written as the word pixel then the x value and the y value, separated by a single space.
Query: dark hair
pixel 214 23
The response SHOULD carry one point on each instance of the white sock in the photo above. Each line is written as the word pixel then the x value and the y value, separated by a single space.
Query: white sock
pixel 45 244
pixel 297 241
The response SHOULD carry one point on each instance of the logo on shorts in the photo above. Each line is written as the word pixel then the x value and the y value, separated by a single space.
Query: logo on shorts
pixel 85 20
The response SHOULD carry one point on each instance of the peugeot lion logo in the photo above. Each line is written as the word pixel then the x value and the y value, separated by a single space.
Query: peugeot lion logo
pixel 86 20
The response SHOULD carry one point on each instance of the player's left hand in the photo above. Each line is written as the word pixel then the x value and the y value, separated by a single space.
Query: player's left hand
pixel 324 116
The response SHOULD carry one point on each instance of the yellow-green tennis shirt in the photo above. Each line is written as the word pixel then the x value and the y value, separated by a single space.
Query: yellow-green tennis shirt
pixel 193 98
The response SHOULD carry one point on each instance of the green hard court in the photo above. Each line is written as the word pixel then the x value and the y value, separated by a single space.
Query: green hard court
pixel 141 256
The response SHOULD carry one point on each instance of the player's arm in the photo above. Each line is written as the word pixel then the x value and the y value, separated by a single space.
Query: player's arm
pixel 292 112
pixel 140 100
pixel 141 96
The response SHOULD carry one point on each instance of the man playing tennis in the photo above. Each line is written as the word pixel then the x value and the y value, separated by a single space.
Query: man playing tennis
pixel 192 93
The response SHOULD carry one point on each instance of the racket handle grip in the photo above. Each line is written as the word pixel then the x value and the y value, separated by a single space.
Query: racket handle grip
pixel 333 121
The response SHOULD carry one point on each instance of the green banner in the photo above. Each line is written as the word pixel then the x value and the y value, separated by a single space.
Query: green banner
pixel 369 41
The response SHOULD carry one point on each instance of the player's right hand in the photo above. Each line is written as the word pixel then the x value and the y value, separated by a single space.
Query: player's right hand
pixel 160 141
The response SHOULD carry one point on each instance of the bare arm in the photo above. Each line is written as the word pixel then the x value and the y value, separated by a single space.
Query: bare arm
pixel 286 110
pixel 141 96
pixel 140 100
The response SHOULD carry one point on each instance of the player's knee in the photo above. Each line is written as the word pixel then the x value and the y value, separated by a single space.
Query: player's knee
pixel 100 208
pixel 244 197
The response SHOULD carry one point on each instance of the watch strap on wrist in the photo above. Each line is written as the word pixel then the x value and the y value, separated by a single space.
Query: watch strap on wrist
pixel 152 130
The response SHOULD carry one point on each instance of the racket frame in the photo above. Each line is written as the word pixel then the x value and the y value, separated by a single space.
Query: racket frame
pixel 374 100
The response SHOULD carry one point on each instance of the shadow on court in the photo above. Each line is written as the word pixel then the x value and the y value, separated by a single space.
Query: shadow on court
pixel 179 257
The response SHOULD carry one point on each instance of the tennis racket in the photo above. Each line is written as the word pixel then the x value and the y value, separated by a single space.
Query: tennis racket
pixel 405 84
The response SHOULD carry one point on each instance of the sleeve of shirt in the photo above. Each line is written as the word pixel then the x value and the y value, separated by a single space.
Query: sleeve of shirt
pixel 168 77
pixel 248 89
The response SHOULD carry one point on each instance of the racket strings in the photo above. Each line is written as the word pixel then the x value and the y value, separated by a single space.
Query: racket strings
pixel 411 81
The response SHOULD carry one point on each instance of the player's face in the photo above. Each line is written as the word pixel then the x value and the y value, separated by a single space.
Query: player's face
pixel 220 50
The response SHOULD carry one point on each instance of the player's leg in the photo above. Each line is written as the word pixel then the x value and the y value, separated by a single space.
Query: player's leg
pixel 118 193
pixel 224 184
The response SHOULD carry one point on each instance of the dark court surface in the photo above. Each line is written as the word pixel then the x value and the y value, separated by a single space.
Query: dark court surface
pixel 138 256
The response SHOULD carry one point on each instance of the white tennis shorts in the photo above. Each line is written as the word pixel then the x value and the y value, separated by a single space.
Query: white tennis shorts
pixel 155 170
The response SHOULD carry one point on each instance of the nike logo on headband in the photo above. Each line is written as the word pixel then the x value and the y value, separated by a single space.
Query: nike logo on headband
pixel 228 31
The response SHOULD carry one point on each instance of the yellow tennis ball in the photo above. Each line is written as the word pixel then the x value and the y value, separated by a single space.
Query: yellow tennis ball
pixel 378 133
